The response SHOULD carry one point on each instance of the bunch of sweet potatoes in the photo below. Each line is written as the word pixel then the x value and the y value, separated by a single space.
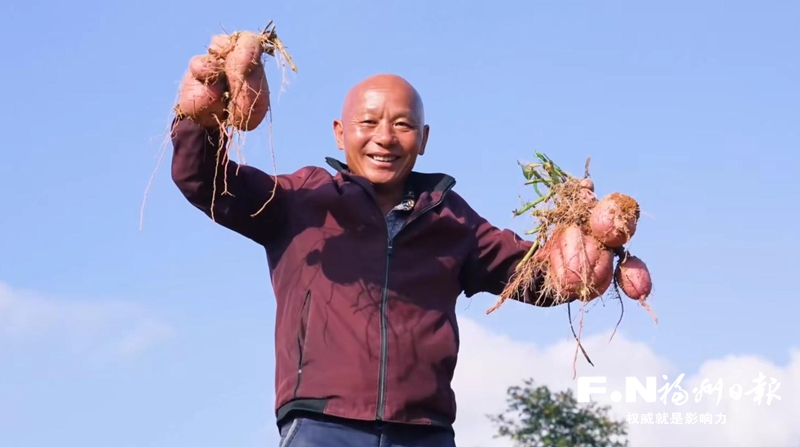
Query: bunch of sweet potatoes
pixel 227 86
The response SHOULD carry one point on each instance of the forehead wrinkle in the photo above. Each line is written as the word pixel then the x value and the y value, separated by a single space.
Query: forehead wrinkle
pixel 358 96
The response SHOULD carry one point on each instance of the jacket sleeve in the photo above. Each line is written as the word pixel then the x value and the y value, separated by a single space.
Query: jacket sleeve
pixel 492 262
pixel 241 191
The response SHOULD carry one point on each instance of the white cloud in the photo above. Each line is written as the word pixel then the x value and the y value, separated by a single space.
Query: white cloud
pixel 143 335
pixel 490 362
pixel 123 327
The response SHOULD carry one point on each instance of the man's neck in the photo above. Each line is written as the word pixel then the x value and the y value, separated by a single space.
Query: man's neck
pixel 389 199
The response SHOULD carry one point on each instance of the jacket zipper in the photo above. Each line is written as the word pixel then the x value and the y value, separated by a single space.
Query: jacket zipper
pixel 384 303
pixel 301 336
pixel 384 337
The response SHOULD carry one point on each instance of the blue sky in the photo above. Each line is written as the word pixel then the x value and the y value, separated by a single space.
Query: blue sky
pixel 111 336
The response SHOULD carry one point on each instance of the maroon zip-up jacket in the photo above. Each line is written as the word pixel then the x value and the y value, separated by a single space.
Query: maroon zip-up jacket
pixel 366 325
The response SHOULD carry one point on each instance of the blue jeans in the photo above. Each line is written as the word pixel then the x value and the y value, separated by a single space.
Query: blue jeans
pixel 330 432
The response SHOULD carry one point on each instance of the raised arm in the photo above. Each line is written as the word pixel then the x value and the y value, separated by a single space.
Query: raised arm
pixel 228 84
pixel 241 191
pixel 493 260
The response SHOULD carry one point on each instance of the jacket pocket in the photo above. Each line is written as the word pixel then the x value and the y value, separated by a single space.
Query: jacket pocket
pixel 302 332
pixel 454 327
pixel 453 322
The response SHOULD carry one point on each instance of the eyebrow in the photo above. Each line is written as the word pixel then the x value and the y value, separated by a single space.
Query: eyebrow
pixel 409 114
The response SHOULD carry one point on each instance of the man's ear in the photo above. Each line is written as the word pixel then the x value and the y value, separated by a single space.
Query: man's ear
pixel 338 133
pixel 425 131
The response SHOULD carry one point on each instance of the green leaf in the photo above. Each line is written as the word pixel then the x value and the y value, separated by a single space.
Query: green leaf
pixel 538 417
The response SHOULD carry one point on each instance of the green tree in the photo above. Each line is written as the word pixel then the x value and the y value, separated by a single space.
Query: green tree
pixel 537 417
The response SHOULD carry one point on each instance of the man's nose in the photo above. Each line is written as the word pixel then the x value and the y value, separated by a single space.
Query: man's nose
pixel 384 134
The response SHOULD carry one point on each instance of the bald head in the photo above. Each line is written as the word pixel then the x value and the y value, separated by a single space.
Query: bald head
pixel 382 132
pixel 397 86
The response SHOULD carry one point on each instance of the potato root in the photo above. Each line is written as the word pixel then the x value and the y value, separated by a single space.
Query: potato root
pixel 249 105
pixel 587 196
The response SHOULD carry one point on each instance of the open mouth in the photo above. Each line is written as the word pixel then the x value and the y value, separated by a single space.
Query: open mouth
pixel 384 158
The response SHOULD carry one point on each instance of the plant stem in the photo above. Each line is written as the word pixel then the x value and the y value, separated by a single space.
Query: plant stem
pixel 529 254
pixel 533 204
pixel 534 231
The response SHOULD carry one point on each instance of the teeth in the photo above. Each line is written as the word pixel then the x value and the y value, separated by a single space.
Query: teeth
pixel 380 158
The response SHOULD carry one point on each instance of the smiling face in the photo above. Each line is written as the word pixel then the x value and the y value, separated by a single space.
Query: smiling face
pixel 382 131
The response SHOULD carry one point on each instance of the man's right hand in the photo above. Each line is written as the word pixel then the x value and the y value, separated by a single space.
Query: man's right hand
pixel 202 92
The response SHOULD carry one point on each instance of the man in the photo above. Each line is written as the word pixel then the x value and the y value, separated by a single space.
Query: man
pixel 366 265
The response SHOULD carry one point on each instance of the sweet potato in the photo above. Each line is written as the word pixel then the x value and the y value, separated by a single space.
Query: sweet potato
pixel 614 219
pixel 577 239
pixel 247 81
pixel 633 278
pixel 249 105
pixel 245 55
pixel 579 266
